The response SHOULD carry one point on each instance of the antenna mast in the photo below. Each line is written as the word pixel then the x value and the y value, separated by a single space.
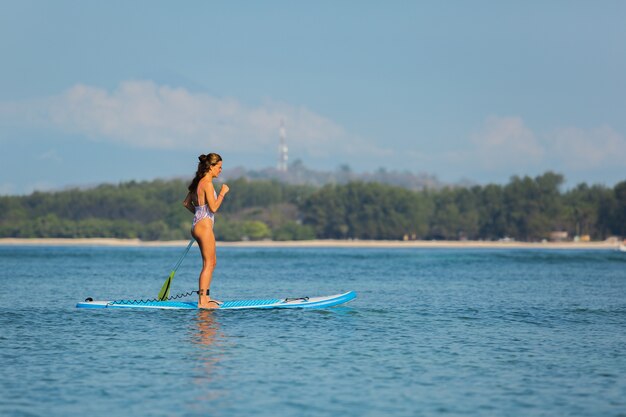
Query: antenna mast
pixel 282 148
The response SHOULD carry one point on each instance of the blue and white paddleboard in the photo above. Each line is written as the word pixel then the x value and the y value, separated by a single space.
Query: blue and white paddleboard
pixel 304 302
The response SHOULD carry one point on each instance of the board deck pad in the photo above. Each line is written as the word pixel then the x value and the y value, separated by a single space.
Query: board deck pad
pixel 304 302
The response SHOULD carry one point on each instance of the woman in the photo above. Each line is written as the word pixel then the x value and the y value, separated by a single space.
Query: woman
pixel 203 202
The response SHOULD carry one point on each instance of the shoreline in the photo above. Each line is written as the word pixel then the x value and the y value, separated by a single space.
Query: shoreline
pixel 604 245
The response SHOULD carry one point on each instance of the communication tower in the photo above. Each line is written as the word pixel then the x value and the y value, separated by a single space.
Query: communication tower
pixel 282 148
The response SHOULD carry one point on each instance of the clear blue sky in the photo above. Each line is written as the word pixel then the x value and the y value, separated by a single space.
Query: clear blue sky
pixel 94 91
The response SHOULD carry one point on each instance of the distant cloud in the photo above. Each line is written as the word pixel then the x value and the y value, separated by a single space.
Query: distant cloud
pixel 144 114
pixel 506 144
pixel 506 141
pixel 50 155
pixel 7 188
pixel 587 149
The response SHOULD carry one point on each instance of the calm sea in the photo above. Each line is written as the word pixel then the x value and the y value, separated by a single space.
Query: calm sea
pixel 433 332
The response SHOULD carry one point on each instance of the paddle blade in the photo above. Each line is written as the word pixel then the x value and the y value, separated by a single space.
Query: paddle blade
pixel 165 289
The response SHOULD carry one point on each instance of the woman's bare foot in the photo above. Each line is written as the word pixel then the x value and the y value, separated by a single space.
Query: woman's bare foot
pixel 208 304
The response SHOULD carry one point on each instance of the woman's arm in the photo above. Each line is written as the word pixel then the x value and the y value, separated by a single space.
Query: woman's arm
pixel 188 203
pixel 215 203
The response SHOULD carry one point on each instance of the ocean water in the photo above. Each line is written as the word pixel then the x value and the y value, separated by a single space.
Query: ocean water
pixel 433 332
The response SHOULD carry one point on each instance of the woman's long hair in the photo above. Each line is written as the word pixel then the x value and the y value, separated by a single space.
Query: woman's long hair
pixel 206 162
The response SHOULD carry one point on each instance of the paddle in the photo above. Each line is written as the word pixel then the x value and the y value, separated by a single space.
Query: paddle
pixel 165 289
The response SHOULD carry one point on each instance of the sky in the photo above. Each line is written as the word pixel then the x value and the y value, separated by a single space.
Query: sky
pixel 94 91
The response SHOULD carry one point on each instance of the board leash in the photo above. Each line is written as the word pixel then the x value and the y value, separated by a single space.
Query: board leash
pixel 150 300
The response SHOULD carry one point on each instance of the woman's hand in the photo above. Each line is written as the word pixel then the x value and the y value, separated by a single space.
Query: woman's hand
pixel 188 203
pixel 224 190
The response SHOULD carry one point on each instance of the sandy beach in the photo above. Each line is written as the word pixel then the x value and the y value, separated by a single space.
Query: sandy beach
pixel 604 245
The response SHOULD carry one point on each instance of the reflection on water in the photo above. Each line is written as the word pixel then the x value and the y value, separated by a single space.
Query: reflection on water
pixel 209 340
pixel 206 328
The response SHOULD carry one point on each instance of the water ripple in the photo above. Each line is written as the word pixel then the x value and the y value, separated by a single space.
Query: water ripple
pixel 433 332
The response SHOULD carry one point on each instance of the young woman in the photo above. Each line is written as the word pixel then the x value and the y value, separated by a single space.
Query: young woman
pixel 203 202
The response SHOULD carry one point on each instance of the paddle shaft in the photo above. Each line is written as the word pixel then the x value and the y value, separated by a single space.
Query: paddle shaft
pixel 165 289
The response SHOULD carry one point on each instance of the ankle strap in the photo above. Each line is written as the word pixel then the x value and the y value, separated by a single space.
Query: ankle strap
pixel 202 292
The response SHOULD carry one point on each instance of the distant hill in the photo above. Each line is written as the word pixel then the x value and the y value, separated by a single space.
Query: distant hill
pixel 299 174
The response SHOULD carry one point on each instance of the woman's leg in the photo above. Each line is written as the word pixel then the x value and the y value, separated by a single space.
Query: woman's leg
pixel 203 233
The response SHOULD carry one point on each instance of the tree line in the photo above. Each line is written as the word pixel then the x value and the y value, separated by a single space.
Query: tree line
pixel 525 208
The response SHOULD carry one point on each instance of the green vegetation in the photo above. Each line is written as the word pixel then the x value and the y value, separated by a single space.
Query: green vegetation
pixel 153 211
pixel 524 209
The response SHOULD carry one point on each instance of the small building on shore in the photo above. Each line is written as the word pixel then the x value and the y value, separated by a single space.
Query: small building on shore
pixel 558 236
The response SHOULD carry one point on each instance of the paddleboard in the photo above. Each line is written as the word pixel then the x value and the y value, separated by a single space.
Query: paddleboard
pixel 303 302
